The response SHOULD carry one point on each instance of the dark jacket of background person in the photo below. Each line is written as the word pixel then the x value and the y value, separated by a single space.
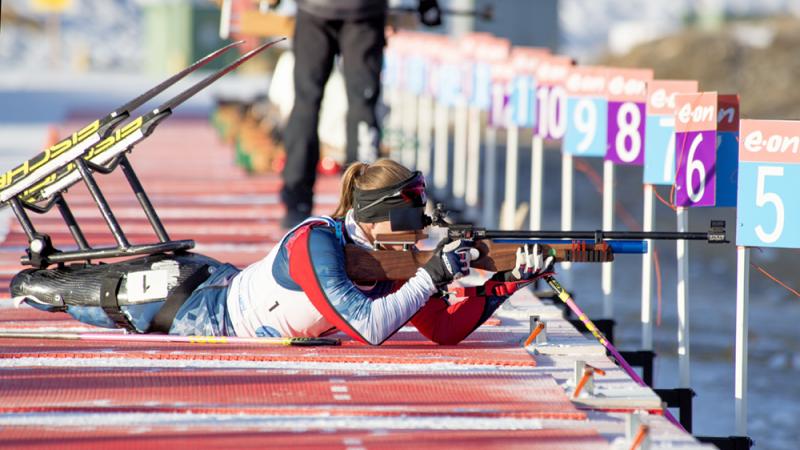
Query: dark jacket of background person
pixel 344 9
pixel 354 30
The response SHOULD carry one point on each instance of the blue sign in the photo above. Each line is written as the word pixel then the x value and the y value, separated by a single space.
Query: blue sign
pixel 587 125
pixel 523 101
pixel 449 84
pixel 659 159
pixel 416 75
pixel 481 86
pixel 768 210
pixel 727 167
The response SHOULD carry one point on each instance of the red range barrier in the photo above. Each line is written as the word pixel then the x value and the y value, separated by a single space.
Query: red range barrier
pixel 276 392
pixel 212 437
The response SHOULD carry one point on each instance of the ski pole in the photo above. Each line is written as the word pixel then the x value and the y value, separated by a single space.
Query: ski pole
pixel 565 297
pixel 160 338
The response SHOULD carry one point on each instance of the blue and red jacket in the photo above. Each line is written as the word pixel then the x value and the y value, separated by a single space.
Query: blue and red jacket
pixel 301 288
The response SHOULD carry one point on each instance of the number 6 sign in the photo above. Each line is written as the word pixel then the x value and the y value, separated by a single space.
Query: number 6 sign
pixel 627 96
pixel 768 208
pixel 695 149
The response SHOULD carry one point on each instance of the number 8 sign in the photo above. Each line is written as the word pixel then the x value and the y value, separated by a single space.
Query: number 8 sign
pixel 768 208
pixel 627 96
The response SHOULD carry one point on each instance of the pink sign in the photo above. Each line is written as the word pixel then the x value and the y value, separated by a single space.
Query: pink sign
pixel 526 60
pixel 628 85
pixel 772 141
pixel 586 80
pixel 553 70
pixel 696 112
pixel 661 95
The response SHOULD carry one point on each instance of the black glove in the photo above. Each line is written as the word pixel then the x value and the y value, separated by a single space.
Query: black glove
pixel 450 261
pixel 429 13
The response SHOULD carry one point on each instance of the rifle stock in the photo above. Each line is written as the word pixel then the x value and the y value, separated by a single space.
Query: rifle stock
pixel 381 265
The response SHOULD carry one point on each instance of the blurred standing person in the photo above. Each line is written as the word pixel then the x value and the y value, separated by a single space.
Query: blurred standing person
pixel 354 29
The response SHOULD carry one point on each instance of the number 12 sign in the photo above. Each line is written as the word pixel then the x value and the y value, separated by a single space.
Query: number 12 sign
pixel 768 207
pixel 695 149
pixel 627 96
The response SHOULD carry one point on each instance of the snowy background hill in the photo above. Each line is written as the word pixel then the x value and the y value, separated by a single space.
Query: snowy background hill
pixel 95 34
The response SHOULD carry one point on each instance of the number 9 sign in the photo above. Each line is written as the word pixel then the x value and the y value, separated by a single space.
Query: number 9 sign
pixel 586 112
pixel 768 207
pixel 627 96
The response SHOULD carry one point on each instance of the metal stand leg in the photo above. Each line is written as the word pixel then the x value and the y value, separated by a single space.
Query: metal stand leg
pixel 22 216
pixel 105 210
pixel 149 211
pixel 72 224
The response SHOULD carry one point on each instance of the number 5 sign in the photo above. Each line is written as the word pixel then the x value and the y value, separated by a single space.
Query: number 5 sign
pixel 627 96
pixel 768 209
pixel 695 149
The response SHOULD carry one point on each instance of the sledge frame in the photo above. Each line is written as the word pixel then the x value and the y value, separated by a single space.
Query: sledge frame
pixel 41 253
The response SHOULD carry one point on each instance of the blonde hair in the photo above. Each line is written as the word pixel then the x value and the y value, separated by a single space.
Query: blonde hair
pixel 381 173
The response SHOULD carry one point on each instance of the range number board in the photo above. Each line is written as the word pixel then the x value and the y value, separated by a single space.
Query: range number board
pixel 695 149
pixel 627 96
pixel 499 110
pixel 659 159
pixel 551 97
pixel 727 149
pixel 587 112
pixel 487 51
pixel 768 207
pixel 525 61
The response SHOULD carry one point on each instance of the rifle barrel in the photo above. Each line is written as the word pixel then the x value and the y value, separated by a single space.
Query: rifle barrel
pixel 589 235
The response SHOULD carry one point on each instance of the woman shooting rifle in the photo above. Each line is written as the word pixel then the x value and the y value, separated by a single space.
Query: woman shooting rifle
pixel 301 288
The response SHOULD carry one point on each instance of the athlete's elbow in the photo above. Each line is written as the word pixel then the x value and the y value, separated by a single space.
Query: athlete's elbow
pixel 372 338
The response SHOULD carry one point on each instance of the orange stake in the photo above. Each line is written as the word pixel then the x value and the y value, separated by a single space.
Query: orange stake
pixel 534 333
pixel 640 435
pixel 588 371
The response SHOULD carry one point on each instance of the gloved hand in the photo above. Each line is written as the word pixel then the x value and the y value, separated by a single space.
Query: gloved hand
pixel 530 264
pixel 429 13
pixel 450 261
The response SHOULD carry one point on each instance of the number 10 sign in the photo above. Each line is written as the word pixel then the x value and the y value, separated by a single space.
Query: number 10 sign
pixel 768 209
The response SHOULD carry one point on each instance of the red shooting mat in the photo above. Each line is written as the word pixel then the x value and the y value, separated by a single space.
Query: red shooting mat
pixel 284 392
pixel 213 437
pixel 404 348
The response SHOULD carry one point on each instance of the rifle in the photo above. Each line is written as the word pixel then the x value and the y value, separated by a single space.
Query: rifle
pixel 498 248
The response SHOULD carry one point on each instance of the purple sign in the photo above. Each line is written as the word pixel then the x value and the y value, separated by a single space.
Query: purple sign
pixel 695 163
pixel 498 108
pixel 626 124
